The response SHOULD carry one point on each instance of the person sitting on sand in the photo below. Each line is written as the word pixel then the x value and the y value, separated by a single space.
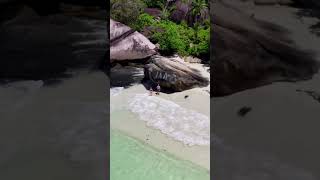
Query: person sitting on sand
pixel 150 90
pixel 158 89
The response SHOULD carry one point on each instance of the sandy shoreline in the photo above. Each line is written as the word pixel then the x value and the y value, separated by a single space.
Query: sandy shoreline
pixel 198 100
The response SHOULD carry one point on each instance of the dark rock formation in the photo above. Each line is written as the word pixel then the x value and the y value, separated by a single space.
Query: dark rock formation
pixel 182 12
pixel 173 74
pixel 244 110
pixel 123 76
pixel 53 6
pixel 315 4
pixel 248 53
pixel 40 47
pixel 153 12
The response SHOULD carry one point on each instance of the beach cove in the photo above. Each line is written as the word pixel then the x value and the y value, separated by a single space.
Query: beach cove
pixel 172 131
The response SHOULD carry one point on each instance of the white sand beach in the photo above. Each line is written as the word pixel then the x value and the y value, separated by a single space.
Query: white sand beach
pixel 195 107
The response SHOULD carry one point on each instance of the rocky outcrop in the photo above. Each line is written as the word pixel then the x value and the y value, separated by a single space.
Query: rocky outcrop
pixel 191 59
pixel 182 12
pixel 38 47
pixel 127 44
pixel 315 4
pixel 248 53
pixel 173 74
pixel 153 12
pixel 123 76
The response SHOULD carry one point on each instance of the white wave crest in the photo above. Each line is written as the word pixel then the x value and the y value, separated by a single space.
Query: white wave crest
pixel 116 91
pixel 187 126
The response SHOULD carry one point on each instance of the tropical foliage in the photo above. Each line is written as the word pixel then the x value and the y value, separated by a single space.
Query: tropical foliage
pixel 197 9
pixel 126 11
pixel 172 37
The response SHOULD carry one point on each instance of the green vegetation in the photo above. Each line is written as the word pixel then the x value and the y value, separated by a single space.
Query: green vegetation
pixel 154 3
pixel 126 11
pixel 197 8
pixel 172 37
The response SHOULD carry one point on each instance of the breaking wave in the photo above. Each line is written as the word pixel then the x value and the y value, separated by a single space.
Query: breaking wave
pixel 187 126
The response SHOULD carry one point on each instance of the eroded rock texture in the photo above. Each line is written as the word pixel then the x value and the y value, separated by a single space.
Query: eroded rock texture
pixel 128 44
pixel 247 53
pixel 173 74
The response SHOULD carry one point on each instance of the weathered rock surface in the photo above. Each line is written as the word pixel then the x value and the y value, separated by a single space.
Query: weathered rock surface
pixel 191 59
pixel 127 44
pixel 248 53
pixel 37 47
pixel 181 11
pixel 173 74
pixel 153 12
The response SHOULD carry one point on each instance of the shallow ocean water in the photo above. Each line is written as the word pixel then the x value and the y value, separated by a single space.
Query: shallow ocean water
pixel 134 160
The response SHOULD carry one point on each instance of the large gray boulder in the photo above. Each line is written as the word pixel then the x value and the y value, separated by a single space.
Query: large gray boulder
pixel 127 44
pixel 39 47
pixel 173 74
pixel 248 53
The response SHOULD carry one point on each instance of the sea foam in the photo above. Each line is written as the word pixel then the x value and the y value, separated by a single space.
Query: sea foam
pixel 115 91
pixel 187 126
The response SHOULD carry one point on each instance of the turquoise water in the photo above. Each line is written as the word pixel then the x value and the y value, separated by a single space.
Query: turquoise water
pixel 134 160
